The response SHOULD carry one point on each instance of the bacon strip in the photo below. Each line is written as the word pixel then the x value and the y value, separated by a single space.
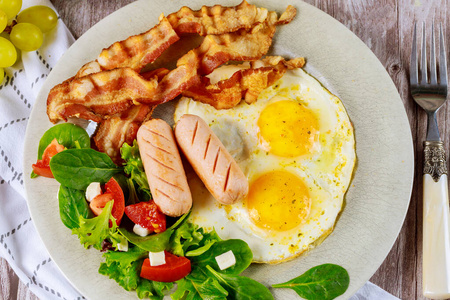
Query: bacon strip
pixel 240 46
pixel 214 51
pixel 135 52
pixel 245 84
pixel 112 133
pixel 216 19
pixel 98 96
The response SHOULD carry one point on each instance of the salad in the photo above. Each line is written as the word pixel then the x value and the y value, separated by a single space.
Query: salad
pixel 193 263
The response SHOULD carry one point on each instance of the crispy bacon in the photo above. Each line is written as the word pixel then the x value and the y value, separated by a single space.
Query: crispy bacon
pixel 268 61
pixel 288 15
pixel 214 51
pixel 240 46
pixel 98 96
pixel 244 84
pixel 136 51
pixel 110 91
pixel 216 19
pixel 112 133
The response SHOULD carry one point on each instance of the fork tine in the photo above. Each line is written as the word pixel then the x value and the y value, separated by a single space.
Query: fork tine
pixel 442 59
pixel 413 71
pixel 423 66
pixel 433 75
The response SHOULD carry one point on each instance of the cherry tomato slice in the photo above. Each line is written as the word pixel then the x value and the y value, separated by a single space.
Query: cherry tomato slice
pixel 52 149
pixel 175 268
pixel 112 191
pixel 147 215
pixel 41 169
pixel 42 166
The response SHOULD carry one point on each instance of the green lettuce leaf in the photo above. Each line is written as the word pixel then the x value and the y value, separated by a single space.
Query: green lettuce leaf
pixel 185 236
pixel 152 289
pixel 92 232
pixel 124 267
pixel 133 166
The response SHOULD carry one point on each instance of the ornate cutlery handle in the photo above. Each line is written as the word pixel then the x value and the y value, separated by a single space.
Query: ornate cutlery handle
pixel 436 223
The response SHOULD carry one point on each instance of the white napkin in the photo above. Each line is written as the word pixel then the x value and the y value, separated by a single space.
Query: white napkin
pixel 20 244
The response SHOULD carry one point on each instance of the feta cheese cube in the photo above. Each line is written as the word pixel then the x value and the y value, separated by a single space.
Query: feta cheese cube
pixel 93 190
pixel 157 258
pixel 226 260
pixel 141 231
pixel 123 246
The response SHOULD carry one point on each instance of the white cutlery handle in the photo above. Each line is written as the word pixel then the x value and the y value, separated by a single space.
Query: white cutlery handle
pixel 436 238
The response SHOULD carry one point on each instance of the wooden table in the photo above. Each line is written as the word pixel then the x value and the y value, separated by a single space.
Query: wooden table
pixel 386 28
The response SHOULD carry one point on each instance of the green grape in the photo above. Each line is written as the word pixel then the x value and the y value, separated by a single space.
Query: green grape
pixel 6 36
pixel 8 54
pixel 2 75
pixel 11 7
pixel 42 16
pixel 26 36
pixel 3 20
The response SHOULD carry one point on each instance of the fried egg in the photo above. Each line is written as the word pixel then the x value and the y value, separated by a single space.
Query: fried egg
pixel 296 146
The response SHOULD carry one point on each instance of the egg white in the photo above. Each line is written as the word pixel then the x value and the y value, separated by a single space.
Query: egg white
pixel 326 170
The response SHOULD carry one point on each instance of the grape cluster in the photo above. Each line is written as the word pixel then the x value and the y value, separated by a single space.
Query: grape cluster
pixel 22 31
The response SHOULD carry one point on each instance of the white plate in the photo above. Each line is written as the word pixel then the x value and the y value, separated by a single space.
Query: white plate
pixel 376 202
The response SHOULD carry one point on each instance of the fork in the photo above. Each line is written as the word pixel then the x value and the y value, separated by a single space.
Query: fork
pixel 431 95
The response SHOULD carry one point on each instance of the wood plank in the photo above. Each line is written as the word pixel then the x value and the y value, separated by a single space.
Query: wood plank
pixel 88 13
pixel 24 293
pixel 8 281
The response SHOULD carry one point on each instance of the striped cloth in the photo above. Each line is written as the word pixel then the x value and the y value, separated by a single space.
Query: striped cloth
pixel 20 244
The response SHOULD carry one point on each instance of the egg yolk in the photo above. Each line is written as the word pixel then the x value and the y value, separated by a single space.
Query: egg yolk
pixel 289 127
pixel 278 200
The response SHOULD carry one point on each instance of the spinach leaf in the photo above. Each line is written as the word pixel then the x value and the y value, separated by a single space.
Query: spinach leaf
pixel 241 287
pixel 67 134
pixel 240 250
pixel 208 289
pixel 155 242
pixel 72 205
pixel 77 168
pixel 326 281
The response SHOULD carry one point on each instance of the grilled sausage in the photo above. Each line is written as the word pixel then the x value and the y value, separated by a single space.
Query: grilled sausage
pixel 163 167
pixel 210 159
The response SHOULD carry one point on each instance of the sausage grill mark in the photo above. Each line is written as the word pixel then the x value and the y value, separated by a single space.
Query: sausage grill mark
pixel 169 183
pixel 161 192
pixel 227 178
pixel 158 134
pixel 159 162
pixel 215 161
pixel 195 133
pixel 207 146
pixel 159 148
